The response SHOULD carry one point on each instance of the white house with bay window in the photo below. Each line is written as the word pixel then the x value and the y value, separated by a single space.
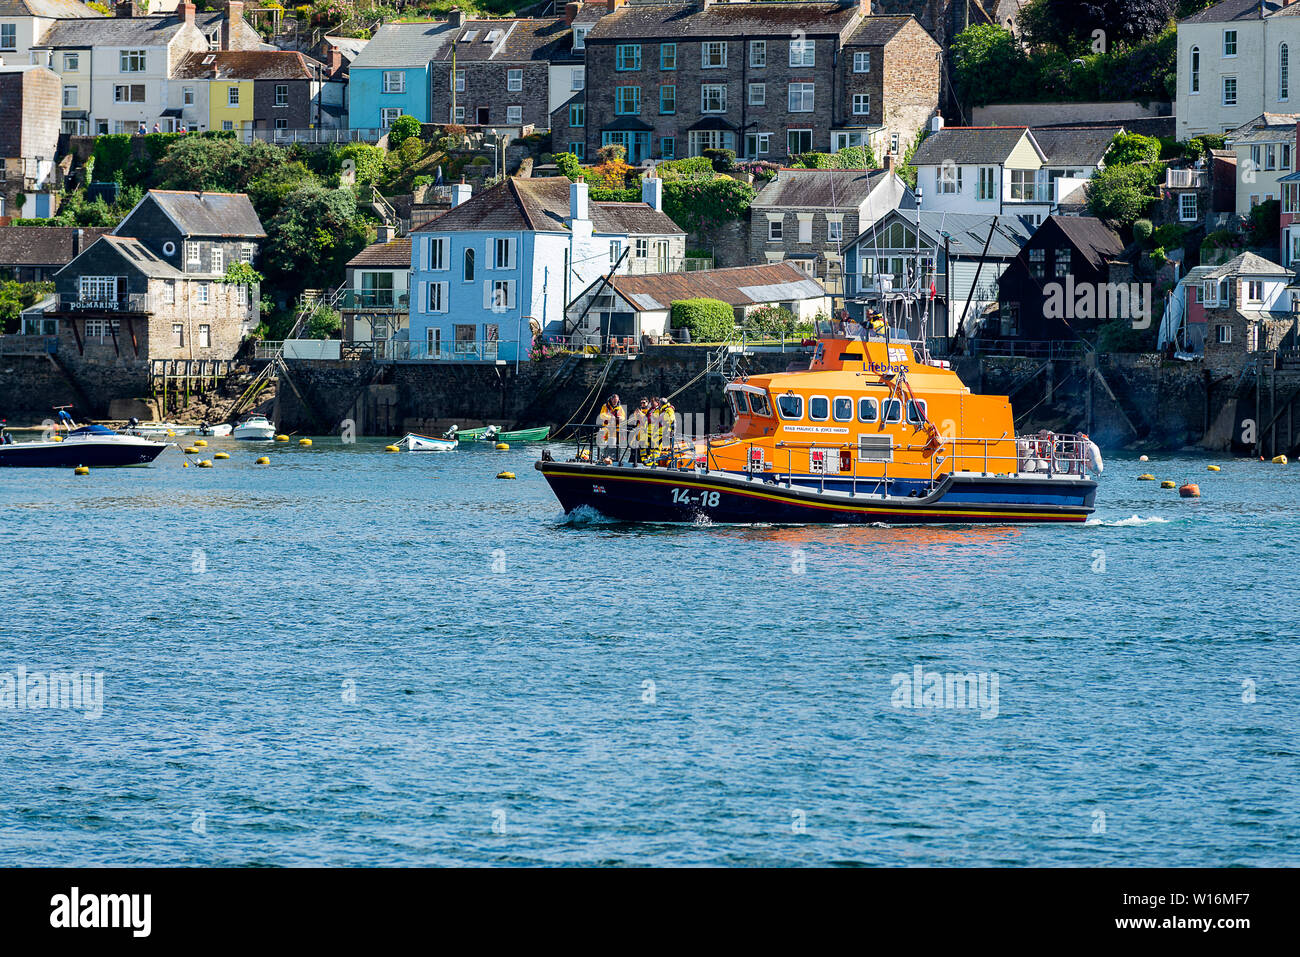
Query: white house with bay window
pixel 500 267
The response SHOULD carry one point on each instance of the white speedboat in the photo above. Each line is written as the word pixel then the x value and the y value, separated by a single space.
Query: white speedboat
pixel 415 442
pixel 214 430
pixel 155 430
pixel 255 428
pixel 90 445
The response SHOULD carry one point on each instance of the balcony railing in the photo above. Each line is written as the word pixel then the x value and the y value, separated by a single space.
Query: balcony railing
pixel 374 300
pixel 1034 193
pixel 465 351
pixel 350 135
pixel 647 265
pixel 1185 178
pixel 136 302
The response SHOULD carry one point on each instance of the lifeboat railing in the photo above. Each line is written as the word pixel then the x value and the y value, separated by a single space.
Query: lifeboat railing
pixel 1042 454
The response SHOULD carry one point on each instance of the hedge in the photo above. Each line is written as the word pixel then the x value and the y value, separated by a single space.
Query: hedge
pixel 709 320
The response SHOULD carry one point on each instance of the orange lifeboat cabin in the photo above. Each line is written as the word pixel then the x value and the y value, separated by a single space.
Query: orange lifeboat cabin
pixel 867 433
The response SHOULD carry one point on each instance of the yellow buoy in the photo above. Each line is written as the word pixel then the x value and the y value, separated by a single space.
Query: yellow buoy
pixel 282 438
pixel 304 442
pixel 1148 477
pixel 391 448
pixel 505 475
pixel 1279 460
pixel 191 450
pixel 81 470
pixel 1143 458
pixel 263 461
pixel 503 446
pixel 201 443
pixel 1168 484
pixel 1213 468
pixel 205 464
pixel 222 455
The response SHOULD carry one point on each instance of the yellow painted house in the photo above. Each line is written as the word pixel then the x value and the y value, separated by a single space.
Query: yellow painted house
pixel 230 104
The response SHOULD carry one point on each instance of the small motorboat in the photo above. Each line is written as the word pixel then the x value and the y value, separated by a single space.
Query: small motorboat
pixel 218 430
pixel 493 433
pixel 152 430
pixel 254 428
pixel 94 446
pixel 415 442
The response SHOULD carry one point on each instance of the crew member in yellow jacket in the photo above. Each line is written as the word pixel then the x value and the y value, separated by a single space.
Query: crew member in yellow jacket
pixel 612 422
pixel 638 433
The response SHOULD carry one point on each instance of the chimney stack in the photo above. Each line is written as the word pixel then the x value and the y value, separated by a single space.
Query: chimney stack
pixel 456 17
pixel 125 8
pixel 186 12
pixel 936 124
pixel 234 15
pixel 578 199
pixel 384 233
pixel 571 13
pixel 78 235
pixel 652 192
pixel 461 192
pixel 612 5
pixel 864 7
pixel 334 63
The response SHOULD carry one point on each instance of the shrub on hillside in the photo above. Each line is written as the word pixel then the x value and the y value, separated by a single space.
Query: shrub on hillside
pixel 709 320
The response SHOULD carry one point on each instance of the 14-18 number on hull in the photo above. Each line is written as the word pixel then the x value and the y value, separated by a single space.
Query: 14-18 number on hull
pixel 684 496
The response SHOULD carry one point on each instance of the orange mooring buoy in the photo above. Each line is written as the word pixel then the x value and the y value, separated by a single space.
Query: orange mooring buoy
pixel 1190 490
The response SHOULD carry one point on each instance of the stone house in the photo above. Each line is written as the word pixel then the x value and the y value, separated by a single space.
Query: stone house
pixel 1057 287
pixel 500 266
pixel 24 22
pixel 1234 310
pixel 765 79
pixel 807 216
pixel 29 136
pixel 496 72
pixel 252 91
pixel 1265 149
pixel 641 306
pixel 156 289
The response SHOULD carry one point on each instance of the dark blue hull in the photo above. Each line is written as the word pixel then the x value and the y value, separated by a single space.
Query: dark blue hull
pixel 664 495
pixel 71 454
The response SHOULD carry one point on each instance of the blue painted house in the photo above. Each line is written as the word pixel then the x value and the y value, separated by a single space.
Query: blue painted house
pixel 393 75
pixel 500 266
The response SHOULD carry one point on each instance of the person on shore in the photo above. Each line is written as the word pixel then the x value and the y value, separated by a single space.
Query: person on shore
pixel 611 422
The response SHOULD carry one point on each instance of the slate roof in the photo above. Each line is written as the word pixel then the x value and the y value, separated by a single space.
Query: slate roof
pixel 350 47
pixel 738 286
pixel 816 18
pixel 141 257
pixel 542 204
pixel 208 214
pixel 876 31
pixel 1093 238
pixel 967 232
pixel 1247 264
pixel 390 255
pixel 819 188
pixel 1075 146
pixel 1231 10
pixel 404 45
pixel 247 65
pixel 520 41
pixel 43 245
pixel 144 31
pixel 51 9
pixel 1265 128
pixel 970 145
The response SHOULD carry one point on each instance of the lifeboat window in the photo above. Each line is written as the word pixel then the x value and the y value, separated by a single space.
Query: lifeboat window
pixel 738 402
pixel 916 411
pixel 758 404
pixel 790 406
pixel 819 408
pixel 843 408
pixel 868 410
pixel 893 411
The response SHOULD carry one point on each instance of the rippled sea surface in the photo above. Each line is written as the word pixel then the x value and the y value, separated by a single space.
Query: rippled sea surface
pixel 358 658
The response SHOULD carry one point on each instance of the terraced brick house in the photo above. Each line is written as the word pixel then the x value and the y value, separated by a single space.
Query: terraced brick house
pixel 765 79
pixel 29 136
pixel 253 92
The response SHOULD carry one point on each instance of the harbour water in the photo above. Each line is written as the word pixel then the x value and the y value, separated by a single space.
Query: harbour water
pixel 358 658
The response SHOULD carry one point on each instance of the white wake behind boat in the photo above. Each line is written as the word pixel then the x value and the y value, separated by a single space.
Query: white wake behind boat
pixel 415 442
pixel 255 428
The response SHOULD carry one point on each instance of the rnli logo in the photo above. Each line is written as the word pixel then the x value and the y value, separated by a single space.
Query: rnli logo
pixel 598 490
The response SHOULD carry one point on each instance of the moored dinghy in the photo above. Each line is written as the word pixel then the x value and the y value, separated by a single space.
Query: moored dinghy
pixel 415 442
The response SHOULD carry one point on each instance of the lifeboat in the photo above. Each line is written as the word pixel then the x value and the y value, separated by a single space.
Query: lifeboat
pixel 868 433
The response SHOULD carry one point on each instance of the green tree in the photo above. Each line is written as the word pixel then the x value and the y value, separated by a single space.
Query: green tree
pixel 403 128
pixel 696 204
pixel 989 65
pixel 367 162
pixel 1132 148
pixel 1120 194
pixel 314 234
pixel 569 165
pixel 709 320
pixel 217 164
